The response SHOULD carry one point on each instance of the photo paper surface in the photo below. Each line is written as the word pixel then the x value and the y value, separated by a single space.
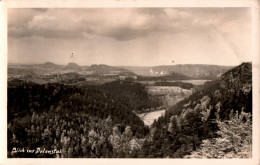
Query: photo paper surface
pixel 131 82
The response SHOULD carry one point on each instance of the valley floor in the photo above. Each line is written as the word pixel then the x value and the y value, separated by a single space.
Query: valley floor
pixel 149 117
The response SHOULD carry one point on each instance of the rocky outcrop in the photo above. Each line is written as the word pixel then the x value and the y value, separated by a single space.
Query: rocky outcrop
pixel 233 90
pixel 238 79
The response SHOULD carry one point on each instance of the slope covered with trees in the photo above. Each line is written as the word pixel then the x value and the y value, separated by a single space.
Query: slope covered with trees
pixel 234 140
pixel 133 94
pixel 200 121
pixel 177 83
pixel 36 111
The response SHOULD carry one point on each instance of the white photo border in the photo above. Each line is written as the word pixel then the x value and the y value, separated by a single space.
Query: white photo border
pixel 4 5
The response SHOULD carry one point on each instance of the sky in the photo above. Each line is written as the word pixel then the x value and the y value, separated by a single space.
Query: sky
pixel 130 36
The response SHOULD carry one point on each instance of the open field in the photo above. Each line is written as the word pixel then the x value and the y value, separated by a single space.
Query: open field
pixel 169 95
pixel 162 90
pixel 149 117
pixel 194 82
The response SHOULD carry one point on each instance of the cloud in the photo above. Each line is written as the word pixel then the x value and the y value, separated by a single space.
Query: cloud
pixel 120 24
pixel 72 23
pixel 132 35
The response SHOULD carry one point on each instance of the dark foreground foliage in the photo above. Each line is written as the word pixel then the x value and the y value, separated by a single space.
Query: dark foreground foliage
pixel 26 100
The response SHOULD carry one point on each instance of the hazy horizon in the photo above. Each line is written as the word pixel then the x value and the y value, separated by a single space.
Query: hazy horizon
pixel 12 63
pixel 130 36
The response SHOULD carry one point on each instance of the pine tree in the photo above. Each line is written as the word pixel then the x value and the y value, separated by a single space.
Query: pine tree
pixel 174 124
pixel 234 141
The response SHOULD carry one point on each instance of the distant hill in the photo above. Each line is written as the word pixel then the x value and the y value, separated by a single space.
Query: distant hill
pixel 196 71
pixel 72 66
pixel 106 69
pixel 84 68
pixel 31 69
pixel 20 71
pixel 47 65
pixel 169 77
pixel 166 72
pixel 45 68
pixel 140 70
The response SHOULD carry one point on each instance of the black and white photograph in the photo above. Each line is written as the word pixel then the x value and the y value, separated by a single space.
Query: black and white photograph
pixel 129 82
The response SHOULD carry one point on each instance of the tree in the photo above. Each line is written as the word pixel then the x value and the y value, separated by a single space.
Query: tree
pixel 235 139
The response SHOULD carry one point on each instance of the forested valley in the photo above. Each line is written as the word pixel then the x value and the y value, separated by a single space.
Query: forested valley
pixel 99 122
